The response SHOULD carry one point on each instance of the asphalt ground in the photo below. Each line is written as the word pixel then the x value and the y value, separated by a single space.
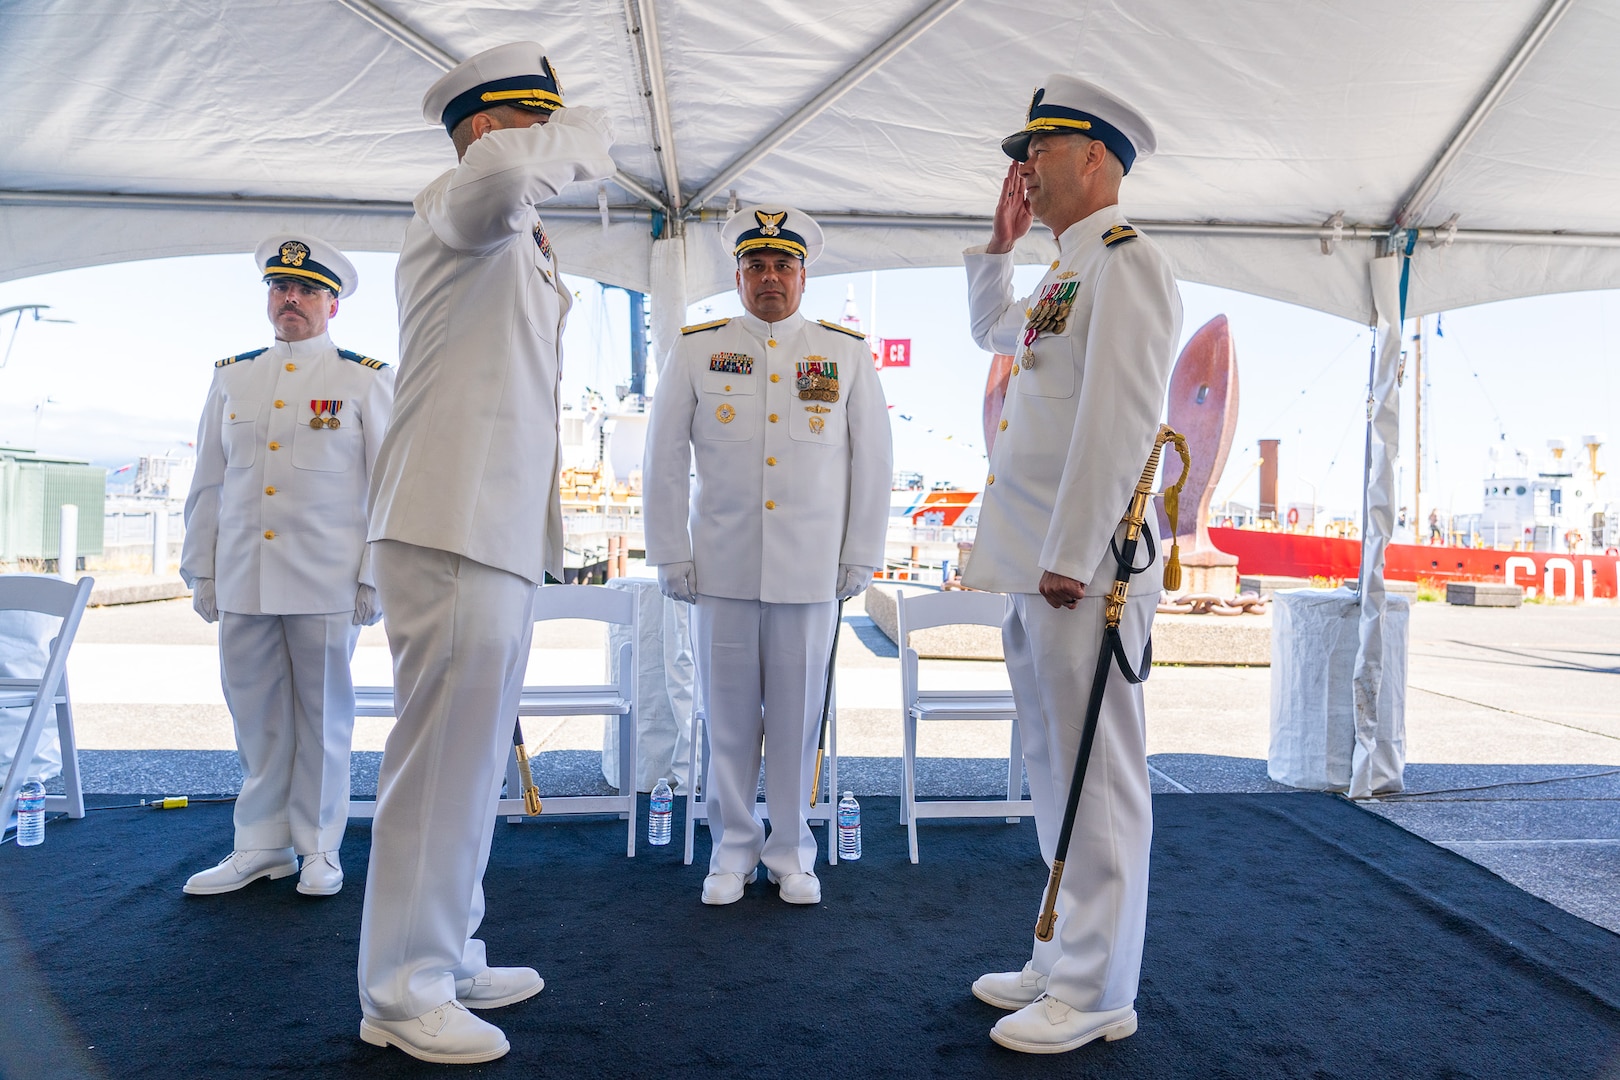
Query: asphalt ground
pixel 1512 728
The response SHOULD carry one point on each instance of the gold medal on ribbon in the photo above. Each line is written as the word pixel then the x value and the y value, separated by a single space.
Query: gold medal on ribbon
pixel 334 407
pixel 316 422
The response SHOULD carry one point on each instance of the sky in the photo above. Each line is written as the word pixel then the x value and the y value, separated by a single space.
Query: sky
pixel 128 375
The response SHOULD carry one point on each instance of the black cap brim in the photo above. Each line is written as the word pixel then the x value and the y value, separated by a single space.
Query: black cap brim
pixel 1016 145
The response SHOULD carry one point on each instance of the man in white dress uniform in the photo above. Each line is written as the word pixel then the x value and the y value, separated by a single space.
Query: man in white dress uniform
pixel 275 550
pixel 790 431
pixel 1092 351
pixel 465 523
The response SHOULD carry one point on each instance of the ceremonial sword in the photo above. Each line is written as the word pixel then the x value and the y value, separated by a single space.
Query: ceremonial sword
pixel 531 794
pixel 1113 650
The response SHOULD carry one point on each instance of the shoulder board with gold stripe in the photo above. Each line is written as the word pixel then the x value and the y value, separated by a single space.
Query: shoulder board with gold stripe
pixel 363 361
pixel 229 360
pixel 700 327
pixel 841 329
pixel 1119 234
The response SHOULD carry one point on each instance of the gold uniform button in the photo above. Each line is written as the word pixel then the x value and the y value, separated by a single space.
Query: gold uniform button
pixel 233 416
pixel 776 378
pixel 1055 264
pixel 773 418
pixel 771 343
pixel 271 490
pixel 770 461
pixel 770 504
pixel 1015 369
pixel 1029 313
pixel 1004 425
pixel 280 404
pixel 291 366
pixel 275 446
pixel 269 534
pixel 728 388
pixel 991 480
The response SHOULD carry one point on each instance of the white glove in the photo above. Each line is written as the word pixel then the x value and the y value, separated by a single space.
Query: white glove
pixel 366 608
pixel 853 580
pixel 584 116
pixel 202 599
pixel 678 581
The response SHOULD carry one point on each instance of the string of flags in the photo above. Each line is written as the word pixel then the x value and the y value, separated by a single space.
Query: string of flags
pixel 965 444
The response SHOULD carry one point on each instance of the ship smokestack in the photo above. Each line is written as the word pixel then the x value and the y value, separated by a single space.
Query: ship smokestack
pixel 1268 479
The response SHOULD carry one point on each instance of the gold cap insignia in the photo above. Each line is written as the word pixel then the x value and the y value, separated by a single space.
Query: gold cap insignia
pixel 769 224
pixel 293 253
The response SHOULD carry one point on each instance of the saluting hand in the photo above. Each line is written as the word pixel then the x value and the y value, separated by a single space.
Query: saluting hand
pixel 1061 591
pixel 1013 215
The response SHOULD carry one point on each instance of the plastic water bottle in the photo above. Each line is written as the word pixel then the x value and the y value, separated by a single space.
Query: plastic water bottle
pixel 31 814
pixel 849 828
pixel 659 813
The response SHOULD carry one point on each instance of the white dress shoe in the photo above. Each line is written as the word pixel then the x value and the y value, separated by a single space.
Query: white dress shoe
pixel 449 1035
pixel 1010 990
pixel 322 874
pixel 803 888
pixel 239 868
pixel 1047 1026
pixel 498 986
pixel 726 888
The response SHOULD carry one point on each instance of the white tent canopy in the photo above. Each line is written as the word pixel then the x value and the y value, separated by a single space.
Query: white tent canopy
pixel 1493 126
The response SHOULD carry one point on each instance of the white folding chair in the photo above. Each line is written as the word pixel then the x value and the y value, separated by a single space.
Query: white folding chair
pixel 952 608
pixel 823 810
pixel 65 600
pixel 597 603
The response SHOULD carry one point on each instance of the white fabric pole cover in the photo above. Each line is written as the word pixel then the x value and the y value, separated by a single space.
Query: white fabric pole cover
pixel 1315 638
pixel 666 275
pixel 1380 737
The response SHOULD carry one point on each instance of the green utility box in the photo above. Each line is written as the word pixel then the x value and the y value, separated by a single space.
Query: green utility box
pixel 33 490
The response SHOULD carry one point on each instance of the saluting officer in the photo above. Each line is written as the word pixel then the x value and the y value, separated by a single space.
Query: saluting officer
pixel 275 550
pixel 1092 352
pixel 790 431
pixel 466 522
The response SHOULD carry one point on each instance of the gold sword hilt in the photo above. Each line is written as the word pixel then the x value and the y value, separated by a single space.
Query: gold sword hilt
pixel 1048 921
pixel 1136 518
pixel 531 794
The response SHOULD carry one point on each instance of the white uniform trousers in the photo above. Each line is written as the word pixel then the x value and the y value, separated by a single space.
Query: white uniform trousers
pixel 459 632
pixel 291 696
pixel 1094 960
pixel 761 673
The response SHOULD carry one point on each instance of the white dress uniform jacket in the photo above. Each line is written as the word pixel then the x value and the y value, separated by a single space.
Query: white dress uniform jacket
pixel 1079 422
pixel 276 514
pixel 470 465
pixel 787 488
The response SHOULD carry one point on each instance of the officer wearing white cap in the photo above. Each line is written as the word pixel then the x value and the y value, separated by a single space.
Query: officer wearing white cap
pixel 465 523
pixel 275 550
pixel 1092 350
pixel 790 431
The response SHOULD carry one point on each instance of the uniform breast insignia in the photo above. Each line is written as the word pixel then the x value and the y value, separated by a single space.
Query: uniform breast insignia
pixel 725 414
pixel 1067 274
pixel 700 327
pixel 363 361
pixel 1049 316
pixel 541 241
pixel 817 379
pixel 841 329
pixel 817 422
pixel 229 360
pixel 732 363
pixel 1119 234
pixel 325 411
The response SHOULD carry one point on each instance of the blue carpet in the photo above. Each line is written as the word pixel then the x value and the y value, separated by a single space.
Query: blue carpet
pixel 1288 936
